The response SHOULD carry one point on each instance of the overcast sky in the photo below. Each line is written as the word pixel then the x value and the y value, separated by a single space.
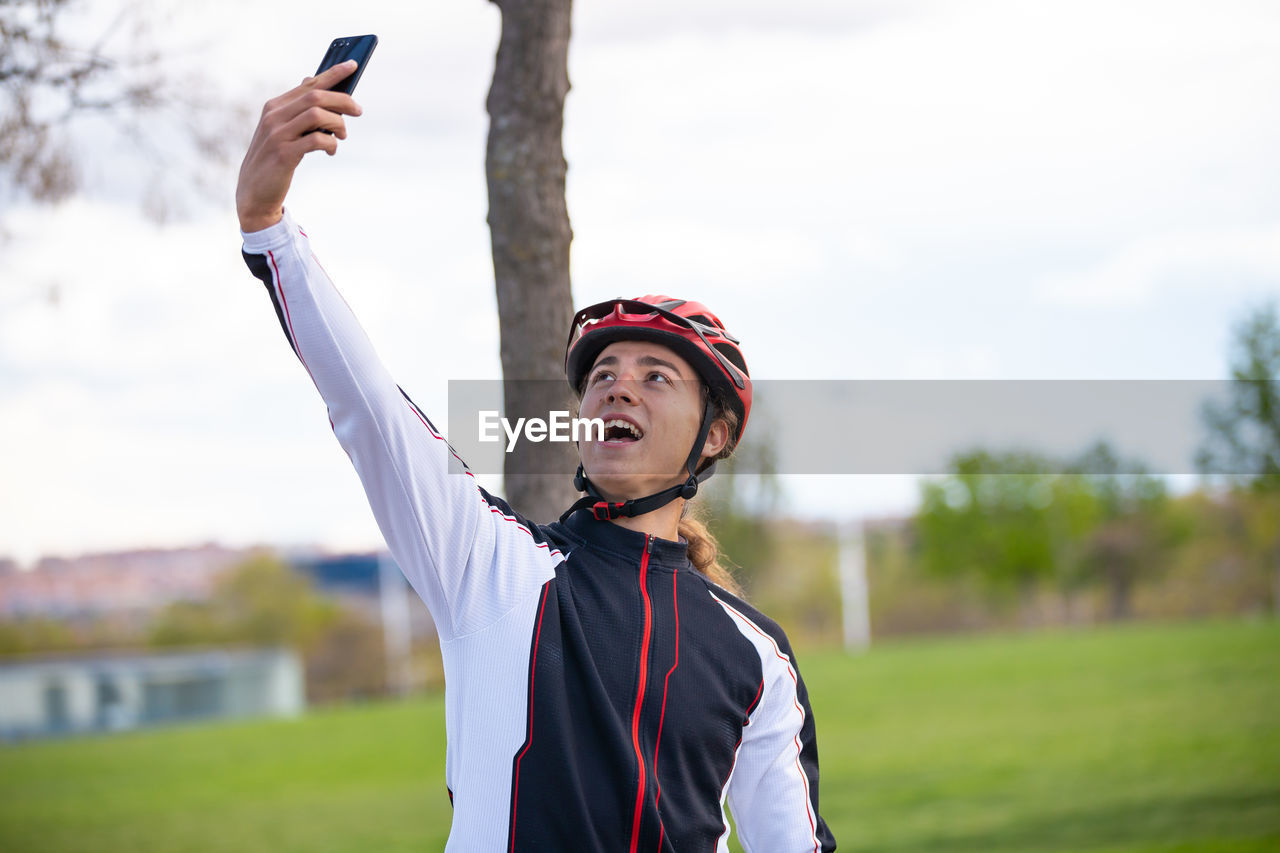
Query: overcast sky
pixel 941 190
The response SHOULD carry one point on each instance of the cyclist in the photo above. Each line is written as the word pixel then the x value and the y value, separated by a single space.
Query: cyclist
pixel 603 691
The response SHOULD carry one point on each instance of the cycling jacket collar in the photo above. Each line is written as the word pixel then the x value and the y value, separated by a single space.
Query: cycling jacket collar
pixel 625 543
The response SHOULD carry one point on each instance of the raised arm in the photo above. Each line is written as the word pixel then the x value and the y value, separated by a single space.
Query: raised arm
pixel 464 553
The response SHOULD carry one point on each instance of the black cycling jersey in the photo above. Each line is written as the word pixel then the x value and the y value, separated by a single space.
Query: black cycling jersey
pixel 601 694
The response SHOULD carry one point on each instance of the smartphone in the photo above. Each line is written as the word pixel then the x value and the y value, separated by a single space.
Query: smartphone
pixel 359 48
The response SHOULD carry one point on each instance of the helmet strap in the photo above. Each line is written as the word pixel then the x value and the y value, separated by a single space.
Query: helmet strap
pixel 606 510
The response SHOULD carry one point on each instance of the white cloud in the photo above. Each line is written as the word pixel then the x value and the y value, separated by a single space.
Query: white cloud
pixel 605 22
pixel 1222 262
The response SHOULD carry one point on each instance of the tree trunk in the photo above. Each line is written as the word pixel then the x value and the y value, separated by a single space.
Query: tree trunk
pixel 529 227
pixel 1121 596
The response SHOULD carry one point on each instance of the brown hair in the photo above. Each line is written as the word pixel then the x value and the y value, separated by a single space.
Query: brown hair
pixel 704 550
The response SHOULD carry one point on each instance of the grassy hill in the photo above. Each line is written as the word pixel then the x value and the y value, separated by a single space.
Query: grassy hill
pixel 1144 738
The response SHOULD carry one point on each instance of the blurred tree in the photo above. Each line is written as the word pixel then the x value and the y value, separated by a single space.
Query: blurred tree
pixel 189 623
pixel 264 602
pixel 740 501
pixel 1244 437
pixel 1008 518
pixel 348 660
pixel 1018 520
pixel 41 634
pixel 260 602
pixel 786 568
pixel 58 70
pixel 1244 433
pixel 529 228
pixel 268 603
pixel 1250 549
pixel 1129 530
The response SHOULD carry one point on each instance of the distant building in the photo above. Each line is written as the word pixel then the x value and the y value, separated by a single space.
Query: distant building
pixel 373 584
pixel 369 582
pixel 64 694
pixel 340 574
pixel 133 582
pixel 136 583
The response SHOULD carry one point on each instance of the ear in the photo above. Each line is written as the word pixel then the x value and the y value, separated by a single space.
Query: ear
pixel 717 438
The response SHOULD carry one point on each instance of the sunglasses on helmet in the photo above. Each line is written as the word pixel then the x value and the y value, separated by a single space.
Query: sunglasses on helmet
pixel 599 311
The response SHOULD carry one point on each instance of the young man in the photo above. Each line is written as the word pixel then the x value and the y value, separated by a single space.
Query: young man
pixel 602 692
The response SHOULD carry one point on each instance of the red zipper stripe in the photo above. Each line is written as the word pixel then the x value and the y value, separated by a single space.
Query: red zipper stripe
pixel 284 300
pixel 675 605
pixel 533 670
pixel 644 676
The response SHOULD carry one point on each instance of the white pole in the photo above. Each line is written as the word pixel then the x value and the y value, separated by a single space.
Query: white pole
pixel 853 587
pixel 394 600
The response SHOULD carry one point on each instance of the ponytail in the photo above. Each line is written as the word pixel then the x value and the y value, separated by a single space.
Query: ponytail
pixel 704 551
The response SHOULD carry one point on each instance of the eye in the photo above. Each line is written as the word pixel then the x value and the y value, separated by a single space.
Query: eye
pixel 655 376
pixel 600 376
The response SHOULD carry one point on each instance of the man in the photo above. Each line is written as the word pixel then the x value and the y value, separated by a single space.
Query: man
pixel 602 691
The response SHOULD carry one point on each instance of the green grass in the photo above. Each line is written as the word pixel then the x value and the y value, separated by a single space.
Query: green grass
pixel 1147 738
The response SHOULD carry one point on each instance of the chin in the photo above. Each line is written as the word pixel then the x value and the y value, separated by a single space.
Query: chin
pixel 622 486
pixel 625 476
pixel 615 488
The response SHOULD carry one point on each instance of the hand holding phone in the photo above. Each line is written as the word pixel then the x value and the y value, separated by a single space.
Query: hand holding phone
pixel 359 48
pixel 285 134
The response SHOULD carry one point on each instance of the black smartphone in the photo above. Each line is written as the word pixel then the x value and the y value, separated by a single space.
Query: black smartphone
pixel 359 48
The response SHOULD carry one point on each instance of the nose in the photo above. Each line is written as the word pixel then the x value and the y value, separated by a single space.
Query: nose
pixel 620 393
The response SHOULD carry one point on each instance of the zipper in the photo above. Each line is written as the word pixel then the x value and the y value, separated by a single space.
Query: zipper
pixel 644 677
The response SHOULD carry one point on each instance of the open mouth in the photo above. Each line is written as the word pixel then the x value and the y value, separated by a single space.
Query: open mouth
pixel 622 431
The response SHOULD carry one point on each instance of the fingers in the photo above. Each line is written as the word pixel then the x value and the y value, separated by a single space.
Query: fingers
pixel 313 142
pixel 314 91
pixel 283 109
pixel 313 118
pixel 333 75
pixel 303 111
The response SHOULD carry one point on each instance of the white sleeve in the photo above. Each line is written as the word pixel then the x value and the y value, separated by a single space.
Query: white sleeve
pixel 466 555
pixel 773 788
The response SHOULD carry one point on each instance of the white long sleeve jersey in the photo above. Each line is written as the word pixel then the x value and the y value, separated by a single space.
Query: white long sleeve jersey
pixel 600 693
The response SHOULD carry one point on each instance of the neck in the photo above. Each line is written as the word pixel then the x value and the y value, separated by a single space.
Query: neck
pixel 663 522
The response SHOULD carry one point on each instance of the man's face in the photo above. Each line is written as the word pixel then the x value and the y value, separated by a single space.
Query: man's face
pixel 651 402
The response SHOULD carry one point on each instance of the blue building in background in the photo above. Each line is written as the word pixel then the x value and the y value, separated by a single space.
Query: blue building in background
pixel 375 584
pixel 342 574
pixel 115 691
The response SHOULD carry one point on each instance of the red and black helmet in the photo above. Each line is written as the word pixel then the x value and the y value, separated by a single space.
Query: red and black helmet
pixel 687 328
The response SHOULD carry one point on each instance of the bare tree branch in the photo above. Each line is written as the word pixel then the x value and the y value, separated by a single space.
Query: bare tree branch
pixel 51 84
